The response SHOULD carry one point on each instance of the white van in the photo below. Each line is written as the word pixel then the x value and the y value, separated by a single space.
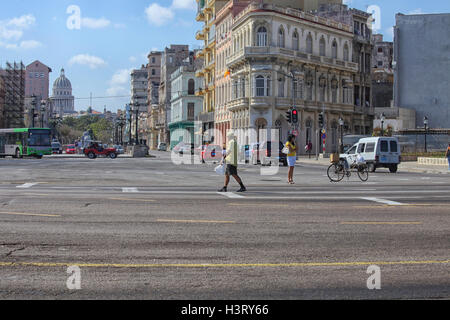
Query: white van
pixel 378 152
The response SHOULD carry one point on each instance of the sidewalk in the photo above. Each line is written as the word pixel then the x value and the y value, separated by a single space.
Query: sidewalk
pixel 405 166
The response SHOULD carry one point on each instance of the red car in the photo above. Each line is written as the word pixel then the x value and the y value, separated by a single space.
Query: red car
pixel 70 149
pixel 97 150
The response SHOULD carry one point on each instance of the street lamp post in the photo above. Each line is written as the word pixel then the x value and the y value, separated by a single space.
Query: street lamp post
pixel 136 106
pixel 42 113
pixel 383 118
pixel 341 124
pixel 33 109
pixel 425 122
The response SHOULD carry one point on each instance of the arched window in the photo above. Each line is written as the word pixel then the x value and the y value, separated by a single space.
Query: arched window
pixel 281 38
pixel 309 86
pixel 308 126
pixel 281 83
pixel 295 42
pixel 334 88
pixel 191 87
pixel 346 55
pixel 322 47
pixel 334 50
pixel 309 44
pixel 261 40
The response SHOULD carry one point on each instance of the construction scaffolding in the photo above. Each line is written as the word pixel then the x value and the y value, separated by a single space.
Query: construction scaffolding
pixel 13 106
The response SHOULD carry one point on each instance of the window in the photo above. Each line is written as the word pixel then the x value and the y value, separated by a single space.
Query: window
pixel 191 87
pixel 322 47
pixel 191 111
pixel 334 50
pixel 380 50
pixel 361 147
pixel 384 146
pixel 370 147
pixel 261 40
pixel 394 146
pixel 153 72
pixel 298 85
pixel 352 150
pixel 309 44
pixel 346 55
pixel 295 42
pixel 243 87
pixel 281 87
pixel 281 38
pixel 260 86
pixel 380 63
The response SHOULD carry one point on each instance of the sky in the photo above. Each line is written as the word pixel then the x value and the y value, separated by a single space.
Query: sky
pixel 99 42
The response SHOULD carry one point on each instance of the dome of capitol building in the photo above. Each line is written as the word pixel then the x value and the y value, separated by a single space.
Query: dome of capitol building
pixel 62 99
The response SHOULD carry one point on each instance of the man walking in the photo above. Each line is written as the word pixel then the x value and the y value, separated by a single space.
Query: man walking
pixel 231 161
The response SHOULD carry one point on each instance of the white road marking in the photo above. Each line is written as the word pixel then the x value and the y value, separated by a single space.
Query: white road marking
pixel 130 190
pixel 389 202
pixel 26 185
pixel 230 195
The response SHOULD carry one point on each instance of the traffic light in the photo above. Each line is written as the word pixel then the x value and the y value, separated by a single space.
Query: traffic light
pixel 321 120
pixel 294 116
pixel 289 116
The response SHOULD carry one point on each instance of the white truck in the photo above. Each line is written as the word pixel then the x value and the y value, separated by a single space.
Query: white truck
pixel 378 152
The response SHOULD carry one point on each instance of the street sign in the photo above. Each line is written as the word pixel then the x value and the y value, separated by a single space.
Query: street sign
pixel 324 136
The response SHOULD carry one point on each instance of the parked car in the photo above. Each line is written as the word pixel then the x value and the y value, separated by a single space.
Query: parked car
pixel 71 149
pixel 254 153
pixel 212 153
pixel 378 152
pixel 119 149
pixel 57 148
pixel 162 147
pixel 95 150
pixel 187 149
pixel 265 153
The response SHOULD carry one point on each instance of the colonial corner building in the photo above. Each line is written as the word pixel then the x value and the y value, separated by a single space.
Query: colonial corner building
pixel 269 43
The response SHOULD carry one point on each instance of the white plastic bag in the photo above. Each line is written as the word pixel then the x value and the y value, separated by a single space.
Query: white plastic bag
pixel 285 150
pixel 360 159
pixel 220 170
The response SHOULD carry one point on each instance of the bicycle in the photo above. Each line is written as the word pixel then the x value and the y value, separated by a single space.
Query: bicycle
pixel 338 170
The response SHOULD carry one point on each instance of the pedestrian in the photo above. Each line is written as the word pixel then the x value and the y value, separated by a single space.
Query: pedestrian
pixel 447 154
pixel 308 148
pixel 291 157
pixel 231 161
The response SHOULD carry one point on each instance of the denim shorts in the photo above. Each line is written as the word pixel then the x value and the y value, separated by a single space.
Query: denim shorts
pixel 291 161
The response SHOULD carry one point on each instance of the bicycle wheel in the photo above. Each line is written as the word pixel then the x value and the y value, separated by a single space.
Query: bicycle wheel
pixel 363 172
pixel 336 172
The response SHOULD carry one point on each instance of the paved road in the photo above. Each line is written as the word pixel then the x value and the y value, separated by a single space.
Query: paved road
pixel 147 229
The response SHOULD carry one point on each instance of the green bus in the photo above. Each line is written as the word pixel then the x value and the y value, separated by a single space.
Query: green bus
pixel 31 142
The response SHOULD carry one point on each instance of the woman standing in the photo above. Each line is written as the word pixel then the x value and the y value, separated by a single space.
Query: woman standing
pixel 291 157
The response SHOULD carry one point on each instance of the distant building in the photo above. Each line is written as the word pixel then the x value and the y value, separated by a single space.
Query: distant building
pixel 12 100
pixel 37 80
pixel 421 67
pixel 171 59
pixel 139 95
pixel 2 101
pixel 62 101
pixel 185 105
pixel 154 78
pixel 382 73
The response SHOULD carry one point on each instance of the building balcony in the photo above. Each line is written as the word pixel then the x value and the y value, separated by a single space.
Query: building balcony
pixel 199 73
pixel 200 16
pixel 200 35
pixel 199 92
pixel 287 54
pixel 238 104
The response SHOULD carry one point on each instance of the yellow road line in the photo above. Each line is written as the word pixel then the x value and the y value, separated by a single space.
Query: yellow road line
pixel 381 222
pixel 212 265
pixel 29 214
pixel 131 199
pixel 194 221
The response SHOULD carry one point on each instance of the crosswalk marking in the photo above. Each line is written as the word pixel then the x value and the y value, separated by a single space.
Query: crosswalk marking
pixel 230 195
pixel 26 185
pixel 388 202
pixel 130 190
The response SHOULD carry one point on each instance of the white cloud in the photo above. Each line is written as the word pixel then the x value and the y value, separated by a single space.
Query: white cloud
pixel 416 11
pixel 184 4
pixel 132 59
pixel 9 34
pixel 30 44
pixel 88 60
pixel 158 15
pixel 22 22
pixel 119 83
pixel 92 23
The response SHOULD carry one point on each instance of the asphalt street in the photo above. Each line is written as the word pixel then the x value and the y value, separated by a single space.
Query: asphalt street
pixel 150 229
